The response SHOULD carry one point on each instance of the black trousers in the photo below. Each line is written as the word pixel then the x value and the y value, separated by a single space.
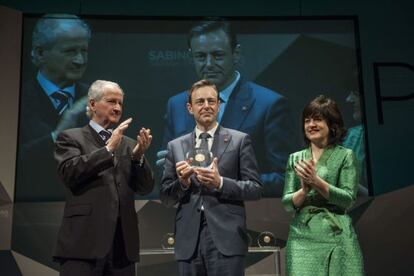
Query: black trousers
pixel 115 263
pixel 207 259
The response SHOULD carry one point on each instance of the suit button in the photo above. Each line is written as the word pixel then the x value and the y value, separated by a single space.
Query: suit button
pixel 198 209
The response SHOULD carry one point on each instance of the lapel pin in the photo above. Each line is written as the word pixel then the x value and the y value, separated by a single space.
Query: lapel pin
pixel 244 108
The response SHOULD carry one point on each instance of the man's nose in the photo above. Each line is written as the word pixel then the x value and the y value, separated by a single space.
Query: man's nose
pixel 80 58
pixel 118 107
pixel 210 60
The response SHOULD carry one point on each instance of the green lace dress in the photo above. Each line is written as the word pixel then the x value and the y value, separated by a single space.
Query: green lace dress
pixel 322 240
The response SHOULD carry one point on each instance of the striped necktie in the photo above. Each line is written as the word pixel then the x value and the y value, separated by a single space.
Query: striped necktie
pixel 105 135
pixel 62 97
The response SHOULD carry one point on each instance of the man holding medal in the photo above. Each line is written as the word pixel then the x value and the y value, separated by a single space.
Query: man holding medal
pixel 209 173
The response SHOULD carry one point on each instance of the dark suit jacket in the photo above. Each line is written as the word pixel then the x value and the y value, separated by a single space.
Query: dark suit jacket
pixel 37 179
pixel 257 111
pixel 99 188
pixel 224 210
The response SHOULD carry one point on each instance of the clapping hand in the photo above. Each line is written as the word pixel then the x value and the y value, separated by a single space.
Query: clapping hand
pixel 116 136
pixel 306 170
pixel 161 158
pixel 71 116
pixel 184 171
pixel 144 139
pixel 210 176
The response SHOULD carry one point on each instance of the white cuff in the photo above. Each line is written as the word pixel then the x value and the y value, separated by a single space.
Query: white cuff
pixel 109 150
pixel 140 162
pixel 221 184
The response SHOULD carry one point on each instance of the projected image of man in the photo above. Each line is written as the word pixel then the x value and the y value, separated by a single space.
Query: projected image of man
pixel 51 101
pixel 245 106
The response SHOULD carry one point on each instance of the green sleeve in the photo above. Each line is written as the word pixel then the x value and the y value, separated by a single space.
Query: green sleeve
pixel 290 187
pixel 344 193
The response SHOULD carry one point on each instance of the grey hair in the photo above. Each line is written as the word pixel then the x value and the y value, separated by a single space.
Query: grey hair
pixel 97 91
pixel 50 26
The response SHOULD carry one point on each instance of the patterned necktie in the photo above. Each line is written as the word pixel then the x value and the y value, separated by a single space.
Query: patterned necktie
pixel 62 97
pixel 204 146
pixel 105 135
pixel 204 141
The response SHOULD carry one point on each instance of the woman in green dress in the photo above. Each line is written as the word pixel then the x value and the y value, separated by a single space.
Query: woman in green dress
pixel 321 183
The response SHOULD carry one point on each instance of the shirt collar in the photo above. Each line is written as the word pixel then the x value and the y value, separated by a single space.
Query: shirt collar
pixel 49 87
pixel 97 127
pixel 211 131
pixel 226 93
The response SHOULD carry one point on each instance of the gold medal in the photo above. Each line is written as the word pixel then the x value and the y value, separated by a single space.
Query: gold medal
pixel 200 157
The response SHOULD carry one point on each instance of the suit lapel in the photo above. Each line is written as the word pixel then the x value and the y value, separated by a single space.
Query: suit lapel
pixel 42 103
pixel 93 136
pixel 117 153
pixel 238 106
pixel 221 141
pixel 187 144
pixel 96 139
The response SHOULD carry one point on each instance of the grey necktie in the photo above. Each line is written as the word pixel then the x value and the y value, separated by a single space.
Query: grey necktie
pixel 204 146
pixel 204 141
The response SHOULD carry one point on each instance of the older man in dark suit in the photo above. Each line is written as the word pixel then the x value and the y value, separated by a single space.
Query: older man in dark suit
pixel 210 228
pixel 102 170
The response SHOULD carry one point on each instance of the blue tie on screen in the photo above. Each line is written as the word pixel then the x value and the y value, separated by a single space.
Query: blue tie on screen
pixel 62 97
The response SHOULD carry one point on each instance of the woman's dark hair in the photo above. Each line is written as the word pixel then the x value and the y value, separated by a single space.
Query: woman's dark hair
pixel 327 109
